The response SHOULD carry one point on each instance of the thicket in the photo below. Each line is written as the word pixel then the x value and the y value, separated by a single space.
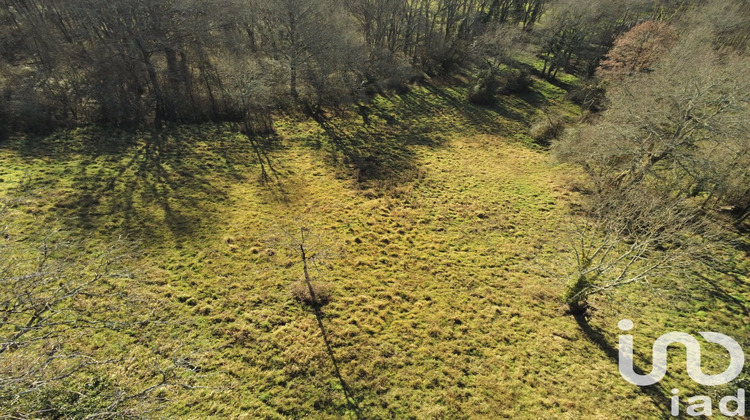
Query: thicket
pixel 668 155
pixel 134 62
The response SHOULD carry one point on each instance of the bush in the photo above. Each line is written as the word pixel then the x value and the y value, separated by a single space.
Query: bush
pixel 397 85
pixel 301 292
pixel 545 130
pixel 490 83
pixel 484 89
pixel 590 97
pixel 514 81
pixel 388 73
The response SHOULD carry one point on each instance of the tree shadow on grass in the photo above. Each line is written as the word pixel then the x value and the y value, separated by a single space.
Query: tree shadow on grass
pixel 91 141
pixel 156 186
pixel 533 98
pixel 482 118
pixel 380 149
pixel 351 401
pixel 726 292
pixel 724 287
pixel 371 154
pixel 159 189
pixel 656 392
pixel 514 108
pixel 551 80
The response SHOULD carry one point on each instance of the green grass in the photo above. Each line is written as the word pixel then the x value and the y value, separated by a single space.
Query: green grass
pixel 441 308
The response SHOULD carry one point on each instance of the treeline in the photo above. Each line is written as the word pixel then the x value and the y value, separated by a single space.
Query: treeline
pixel 665 142
pixel 674 99
pixel 136 61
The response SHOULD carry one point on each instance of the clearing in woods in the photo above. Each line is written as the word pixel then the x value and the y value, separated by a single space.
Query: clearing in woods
pixel 441 306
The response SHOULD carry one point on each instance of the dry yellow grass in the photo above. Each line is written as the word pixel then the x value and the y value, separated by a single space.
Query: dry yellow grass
pixel 440 303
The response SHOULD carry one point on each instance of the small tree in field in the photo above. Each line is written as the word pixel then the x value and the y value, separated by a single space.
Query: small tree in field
pixel 636 50
pixel 310 248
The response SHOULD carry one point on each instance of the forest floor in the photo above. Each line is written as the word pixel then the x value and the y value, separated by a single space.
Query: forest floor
pixel 440 227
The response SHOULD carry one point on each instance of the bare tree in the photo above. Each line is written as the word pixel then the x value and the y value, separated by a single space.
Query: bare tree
pixel 675 129
pixel 311 249
pixel 670 148
pixel 565 30
pixel 629 237
pixel 56 293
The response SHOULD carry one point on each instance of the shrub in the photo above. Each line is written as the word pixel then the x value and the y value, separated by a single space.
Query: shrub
pixel 545 130
pixel 301 292
pixel 490 83
pixel 589 96
pixel 397 85
pixel 514 81
pixel 484 89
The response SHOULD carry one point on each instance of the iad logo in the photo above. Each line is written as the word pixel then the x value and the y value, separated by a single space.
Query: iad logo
pixel 693 347
pixel 736 363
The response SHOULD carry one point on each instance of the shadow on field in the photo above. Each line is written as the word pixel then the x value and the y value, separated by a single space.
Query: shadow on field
pixel 655 392
pixel 379 146
pixel 729 278
pixel 350 400
pixel 551 80
pixel 372 154
pixel 482 118
pixel 152 185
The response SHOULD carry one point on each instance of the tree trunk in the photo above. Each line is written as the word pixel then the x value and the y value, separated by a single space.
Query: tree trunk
pixel 160 109
pixel 293 77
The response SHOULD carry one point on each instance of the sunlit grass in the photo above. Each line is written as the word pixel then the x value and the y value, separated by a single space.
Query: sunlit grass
pixel 442 305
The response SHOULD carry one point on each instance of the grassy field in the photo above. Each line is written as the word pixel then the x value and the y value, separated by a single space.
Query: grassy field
pixel 436 226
